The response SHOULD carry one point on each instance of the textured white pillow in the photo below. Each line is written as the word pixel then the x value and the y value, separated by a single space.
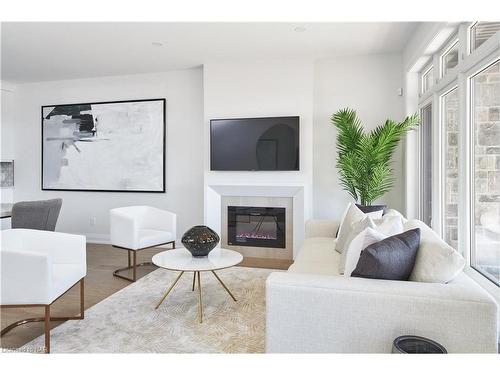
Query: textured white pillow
pixel 436 262
pixel 358 244
pixel 375 214
pixel 388 225
pixel 393 212
pixel 351 215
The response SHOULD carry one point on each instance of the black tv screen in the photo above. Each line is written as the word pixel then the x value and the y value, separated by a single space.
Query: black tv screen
pixel 255 144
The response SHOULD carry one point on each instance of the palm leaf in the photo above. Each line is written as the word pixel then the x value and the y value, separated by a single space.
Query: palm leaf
pixel 363 160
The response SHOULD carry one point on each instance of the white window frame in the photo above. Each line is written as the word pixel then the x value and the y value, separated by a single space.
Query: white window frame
pixel 469 154
pixel 470 63
pixel 428 68
pixel 441 139
pixel 469 37
pixel 423 104
pixel 454 41
pixel 470 42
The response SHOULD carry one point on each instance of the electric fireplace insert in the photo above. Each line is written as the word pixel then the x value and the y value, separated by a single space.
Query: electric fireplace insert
pixel 256 226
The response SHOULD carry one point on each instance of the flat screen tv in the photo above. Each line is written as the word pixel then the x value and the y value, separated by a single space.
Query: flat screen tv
pixel 255 144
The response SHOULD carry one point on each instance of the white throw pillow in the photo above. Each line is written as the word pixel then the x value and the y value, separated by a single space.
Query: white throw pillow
pixel 388 225
pixel 393 212
pixel 375 214
pixel 352 215
pixel 436 262
pixel 358 244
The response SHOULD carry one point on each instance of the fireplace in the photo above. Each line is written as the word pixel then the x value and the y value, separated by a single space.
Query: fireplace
pixel 256 226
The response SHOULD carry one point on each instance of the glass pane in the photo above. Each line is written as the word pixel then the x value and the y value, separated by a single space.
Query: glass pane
pixel 486 200
pixel 450 124
pixel 481 32
pixel 427 80
pixel 426 164
pixel 450 59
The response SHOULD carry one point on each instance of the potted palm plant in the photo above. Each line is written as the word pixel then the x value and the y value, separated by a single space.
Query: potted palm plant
pixel 364 158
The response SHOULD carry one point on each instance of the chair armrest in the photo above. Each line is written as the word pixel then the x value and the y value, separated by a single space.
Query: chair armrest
pixel 123 229
pixel 161 220
pixel 340 314
pixel 25 277
pixel 321 228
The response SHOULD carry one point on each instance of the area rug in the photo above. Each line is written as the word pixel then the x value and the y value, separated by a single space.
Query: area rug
pixel 127 321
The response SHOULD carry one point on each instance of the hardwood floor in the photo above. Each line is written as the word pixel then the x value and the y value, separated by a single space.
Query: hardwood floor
pixel 100 283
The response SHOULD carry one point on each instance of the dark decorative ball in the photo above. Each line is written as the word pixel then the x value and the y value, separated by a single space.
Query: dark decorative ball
pixel 200 240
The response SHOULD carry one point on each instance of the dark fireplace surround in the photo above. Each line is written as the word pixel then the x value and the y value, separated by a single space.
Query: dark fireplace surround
pixel 256 226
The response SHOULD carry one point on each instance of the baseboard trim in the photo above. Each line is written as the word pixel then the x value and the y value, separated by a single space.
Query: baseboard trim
pixel 97 238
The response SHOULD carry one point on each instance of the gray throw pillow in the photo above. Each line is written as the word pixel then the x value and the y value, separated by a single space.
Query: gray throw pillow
pixel 391 259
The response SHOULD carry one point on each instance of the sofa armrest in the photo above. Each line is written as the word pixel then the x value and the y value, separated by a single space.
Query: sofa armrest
pixel 335 314
pixel 321 228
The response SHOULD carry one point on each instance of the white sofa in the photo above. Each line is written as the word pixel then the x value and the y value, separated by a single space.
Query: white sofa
pixel 311 308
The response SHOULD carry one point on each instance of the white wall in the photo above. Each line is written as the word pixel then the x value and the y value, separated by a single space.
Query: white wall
pixel 8 100
pixel 368 84
pixel 184 165
pixel 222 90
pixel 261 89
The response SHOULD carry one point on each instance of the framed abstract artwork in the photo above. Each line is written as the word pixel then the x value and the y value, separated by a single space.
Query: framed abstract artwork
pixel 106 146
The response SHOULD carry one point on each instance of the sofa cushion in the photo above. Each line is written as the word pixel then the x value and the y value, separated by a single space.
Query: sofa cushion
pixel 392 258
pixel 436 262
pixel 317 256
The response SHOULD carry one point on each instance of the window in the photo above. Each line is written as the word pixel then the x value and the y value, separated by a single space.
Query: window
pixel 427 79
pixel 480 32
pixel 426 164
pixel 458 163
pixel 485 189
pixel 449 59
pixel 450 128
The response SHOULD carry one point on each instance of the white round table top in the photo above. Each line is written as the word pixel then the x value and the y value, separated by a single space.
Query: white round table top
pixel 180 259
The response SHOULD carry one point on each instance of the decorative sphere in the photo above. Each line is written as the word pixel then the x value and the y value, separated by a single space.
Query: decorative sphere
pixel 200 240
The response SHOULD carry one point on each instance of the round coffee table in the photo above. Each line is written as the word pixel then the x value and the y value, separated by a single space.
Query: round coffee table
pixel 181 260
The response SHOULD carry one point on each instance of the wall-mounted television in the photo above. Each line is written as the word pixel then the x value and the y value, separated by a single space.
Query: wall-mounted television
pixel 255 144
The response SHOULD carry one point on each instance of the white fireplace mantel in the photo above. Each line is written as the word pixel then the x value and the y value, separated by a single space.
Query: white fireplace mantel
pixel 213 204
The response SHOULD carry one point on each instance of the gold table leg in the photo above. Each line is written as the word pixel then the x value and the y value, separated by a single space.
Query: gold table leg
pixel 169 289
pixel 225 287
pixel 200 301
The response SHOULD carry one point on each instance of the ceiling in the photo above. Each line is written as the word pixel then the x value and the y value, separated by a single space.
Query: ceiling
pixel 44 51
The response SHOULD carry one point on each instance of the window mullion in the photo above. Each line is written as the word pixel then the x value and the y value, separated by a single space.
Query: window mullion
pixel 437 166
pixel 464 159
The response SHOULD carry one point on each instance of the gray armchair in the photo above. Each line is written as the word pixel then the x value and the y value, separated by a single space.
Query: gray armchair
pixel 41 215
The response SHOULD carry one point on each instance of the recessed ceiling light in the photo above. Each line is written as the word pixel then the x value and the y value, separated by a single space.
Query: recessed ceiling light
pixel 299 29
pixel 157 44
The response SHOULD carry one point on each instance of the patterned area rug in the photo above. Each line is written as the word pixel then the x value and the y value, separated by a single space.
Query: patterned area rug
pixel 127 321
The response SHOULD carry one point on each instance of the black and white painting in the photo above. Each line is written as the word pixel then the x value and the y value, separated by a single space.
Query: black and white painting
pixel 111 146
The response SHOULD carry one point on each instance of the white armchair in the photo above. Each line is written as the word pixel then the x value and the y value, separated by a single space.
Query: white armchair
pixel 137 228
pixel 38 267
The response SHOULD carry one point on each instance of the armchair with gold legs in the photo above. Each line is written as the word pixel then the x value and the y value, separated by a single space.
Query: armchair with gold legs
pixel 37 268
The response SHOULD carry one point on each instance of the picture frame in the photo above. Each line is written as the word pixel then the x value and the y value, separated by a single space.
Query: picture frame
pixel 112 146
